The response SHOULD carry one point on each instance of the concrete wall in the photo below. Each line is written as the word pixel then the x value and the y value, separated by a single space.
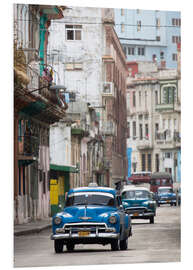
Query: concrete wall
pixel 60 144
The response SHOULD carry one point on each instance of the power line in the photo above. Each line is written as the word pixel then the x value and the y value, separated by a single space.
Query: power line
pixel 97 23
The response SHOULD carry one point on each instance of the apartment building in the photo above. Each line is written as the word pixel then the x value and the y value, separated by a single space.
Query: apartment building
pixel 149 35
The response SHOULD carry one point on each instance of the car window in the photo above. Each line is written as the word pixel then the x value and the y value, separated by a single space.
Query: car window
pixel 90 198
pixel 165 190
pixel 135 194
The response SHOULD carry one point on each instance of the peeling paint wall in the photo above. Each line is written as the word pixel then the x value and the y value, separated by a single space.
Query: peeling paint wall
pixel 87 51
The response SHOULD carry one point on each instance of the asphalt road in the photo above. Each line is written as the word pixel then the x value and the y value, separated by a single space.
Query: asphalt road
pixel 158 242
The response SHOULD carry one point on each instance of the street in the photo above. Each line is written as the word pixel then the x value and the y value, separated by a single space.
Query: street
pixel 159 242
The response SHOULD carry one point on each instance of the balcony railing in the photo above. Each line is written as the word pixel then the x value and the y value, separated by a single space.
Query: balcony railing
pixel 108 128
pixel 28 146
pixel 164 107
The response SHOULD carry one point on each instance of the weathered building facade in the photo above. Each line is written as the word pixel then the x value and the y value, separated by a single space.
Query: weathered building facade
pixel 35 108
pixel 90 62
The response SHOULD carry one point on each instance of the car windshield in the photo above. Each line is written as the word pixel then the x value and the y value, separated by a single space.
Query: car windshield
pixel 90 198
pixel 165 190
pixel 135 194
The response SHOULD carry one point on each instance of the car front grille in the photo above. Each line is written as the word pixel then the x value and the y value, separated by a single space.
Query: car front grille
pixel 88 226
pixel 139 210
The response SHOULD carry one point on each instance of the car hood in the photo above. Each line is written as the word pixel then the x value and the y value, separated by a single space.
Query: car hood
pixel 88 213
pixel 133 203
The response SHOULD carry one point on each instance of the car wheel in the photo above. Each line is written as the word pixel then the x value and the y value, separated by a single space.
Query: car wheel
pixel 115 245
pixel 58 246
pixel 151 220
pixel 158 204
pixel 70 247
pixel 171 204
pixel 124 244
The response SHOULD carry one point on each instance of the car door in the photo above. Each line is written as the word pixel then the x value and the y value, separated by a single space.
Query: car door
pixel 123 217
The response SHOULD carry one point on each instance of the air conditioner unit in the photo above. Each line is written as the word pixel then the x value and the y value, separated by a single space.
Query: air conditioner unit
pixel 108 89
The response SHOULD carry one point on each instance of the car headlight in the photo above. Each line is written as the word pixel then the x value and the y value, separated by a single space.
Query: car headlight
pixel 112 219
pixel 151 204
pixel 57 220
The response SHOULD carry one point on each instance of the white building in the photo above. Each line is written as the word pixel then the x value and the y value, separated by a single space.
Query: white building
pixel 154 119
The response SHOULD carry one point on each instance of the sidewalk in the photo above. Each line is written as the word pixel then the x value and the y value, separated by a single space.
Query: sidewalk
pixel 32 227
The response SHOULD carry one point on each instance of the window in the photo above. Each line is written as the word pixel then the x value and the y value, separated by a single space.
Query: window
pixel 156 97
pixel 143 162
pixel 156 127
pixel 125 50
pixel 134 99
pixel 138 26
pixel 149 162
pixel 122 28
pixel 141 51
pixel 169 94
pixel 134 129
pixel 128 129
pixel 158 22
pixel 140 131
pixel 168 155
pixel 175 124
pixel 176 22
pixel 158 38
pixel 131 51
pixel 162 55
pixel 164 123
pixel 73 66
pixel 174 57
pixel 154 57
pixel 122 12
pixel 140 98
pixel 145 99
pixel 73 32
pixel 176 39
pixel 146 131
pixel 157 162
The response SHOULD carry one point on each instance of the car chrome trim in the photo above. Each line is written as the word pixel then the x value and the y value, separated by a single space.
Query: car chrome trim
pixel 92 235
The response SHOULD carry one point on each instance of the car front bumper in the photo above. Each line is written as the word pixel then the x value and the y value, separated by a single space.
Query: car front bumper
pixel 138 213
pixel 68 236
pixel 166 201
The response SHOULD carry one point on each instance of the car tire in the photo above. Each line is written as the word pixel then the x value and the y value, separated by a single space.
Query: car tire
pixel 124 244
pixel 115 245
pixel 171 204
pixel 58 246
pixel 151 220
pixel 70 247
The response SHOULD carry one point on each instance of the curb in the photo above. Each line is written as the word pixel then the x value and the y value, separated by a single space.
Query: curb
pixel 32 230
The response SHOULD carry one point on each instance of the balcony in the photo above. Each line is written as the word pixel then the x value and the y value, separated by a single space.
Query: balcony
pixel 108 89
pixel 108 128
pixel 165 141
pixel 144 145
pixel 28 149
pixel 164 107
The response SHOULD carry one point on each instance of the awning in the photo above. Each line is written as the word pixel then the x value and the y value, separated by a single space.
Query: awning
pixel 71 169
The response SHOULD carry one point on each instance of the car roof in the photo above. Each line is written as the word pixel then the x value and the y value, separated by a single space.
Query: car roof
pixel 166 187
pixel 127 188
pixel 93 189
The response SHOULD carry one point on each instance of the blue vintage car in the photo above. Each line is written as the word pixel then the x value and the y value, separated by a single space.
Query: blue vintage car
pixel 92 215
pixel 139 202
pixel 165 195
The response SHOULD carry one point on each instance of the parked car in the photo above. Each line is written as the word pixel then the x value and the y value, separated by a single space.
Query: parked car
pixel 166 195
pixel 92 215
pixel 179 196
pixel 139 202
